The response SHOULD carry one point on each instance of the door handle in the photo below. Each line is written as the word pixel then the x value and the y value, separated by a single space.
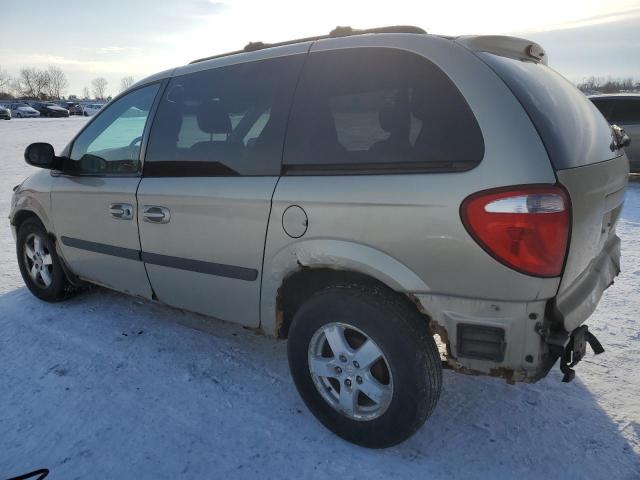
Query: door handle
pixel 154 214
pixel 121 211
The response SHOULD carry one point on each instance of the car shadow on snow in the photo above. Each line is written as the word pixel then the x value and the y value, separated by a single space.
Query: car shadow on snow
pixel 109 383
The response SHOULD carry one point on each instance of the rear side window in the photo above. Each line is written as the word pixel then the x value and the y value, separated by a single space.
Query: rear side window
pixel 227 121
pixel 379 110
pixel 625 110
pixel 570 126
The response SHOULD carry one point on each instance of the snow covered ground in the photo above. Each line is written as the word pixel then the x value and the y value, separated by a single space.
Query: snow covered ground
pixel 106 386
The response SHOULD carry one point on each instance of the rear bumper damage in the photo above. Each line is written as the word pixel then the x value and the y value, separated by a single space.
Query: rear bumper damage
pixel 576 303
pixel 521 341
pixel 484 337
pixel 570 349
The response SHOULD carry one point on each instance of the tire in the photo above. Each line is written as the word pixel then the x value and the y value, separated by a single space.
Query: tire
pixel 58 287
pixel 407 374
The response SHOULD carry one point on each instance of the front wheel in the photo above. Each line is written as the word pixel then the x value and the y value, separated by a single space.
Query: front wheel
pixel 39 263
pixel 365 364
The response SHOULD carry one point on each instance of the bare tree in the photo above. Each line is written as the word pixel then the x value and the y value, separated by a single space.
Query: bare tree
pixel 42 81
pixel 14 87
pixel 57 82
pixel 126 82
pixel 33 83
pixel 85 93
pixel 27 83
pixel 99 87
pixel 610 85
pixel 5 81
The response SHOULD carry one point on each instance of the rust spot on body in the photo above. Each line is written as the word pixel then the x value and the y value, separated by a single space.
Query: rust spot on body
pixel 279 322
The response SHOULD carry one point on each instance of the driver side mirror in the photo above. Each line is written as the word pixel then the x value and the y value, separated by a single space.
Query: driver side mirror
pixel 42 155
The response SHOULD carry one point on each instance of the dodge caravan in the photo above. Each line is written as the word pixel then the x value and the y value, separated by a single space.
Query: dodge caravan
pixel 357 194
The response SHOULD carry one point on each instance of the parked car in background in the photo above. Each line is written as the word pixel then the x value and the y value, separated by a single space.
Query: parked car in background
pixel 74 108
pixel 50 109
pixel 5 112
pixel 91 109
pixel 623 109
pixel 357 195
pixel 23 110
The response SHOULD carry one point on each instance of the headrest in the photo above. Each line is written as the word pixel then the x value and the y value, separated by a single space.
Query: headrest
pixel 393 119
pixel 212 118
pixel 419 104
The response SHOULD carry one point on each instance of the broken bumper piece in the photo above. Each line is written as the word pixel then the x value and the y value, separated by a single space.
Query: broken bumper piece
pixel 571 348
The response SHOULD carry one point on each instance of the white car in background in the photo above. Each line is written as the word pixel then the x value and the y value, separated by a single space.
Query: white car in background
pixel 23 110
pixel 91 109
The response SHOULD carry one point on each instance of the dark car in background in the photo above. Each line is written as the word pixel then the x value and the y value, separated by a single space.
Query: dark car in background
pixel 74 108
pixel 5 113
pixel 50 109
pixel 623 109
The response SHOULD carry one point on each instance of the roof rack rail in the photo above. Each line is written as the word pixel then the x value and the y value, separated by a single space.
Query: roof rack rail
pixel 335 33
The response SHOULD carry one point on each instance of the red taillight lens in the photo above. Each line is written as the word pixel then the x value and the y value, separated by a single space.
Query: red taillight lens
pixel 526 228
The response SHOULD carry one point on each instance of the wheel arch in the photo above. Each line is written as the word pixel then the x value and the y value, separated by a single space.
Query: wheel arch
pixel 21 216
pixel 301 269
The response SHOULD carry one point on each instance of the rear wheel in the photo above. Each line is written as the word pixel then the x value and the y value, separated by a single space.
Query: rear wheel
pixel 39 264
pixel 365 363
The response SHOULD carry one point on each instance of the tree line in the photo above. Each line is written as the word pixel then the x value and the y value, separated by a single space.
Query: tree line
pixel 609 85
pixel 50 84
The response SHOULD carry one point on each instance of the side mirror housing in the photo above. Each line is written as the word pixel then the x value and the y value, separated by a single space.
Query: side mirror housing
pixel 42 155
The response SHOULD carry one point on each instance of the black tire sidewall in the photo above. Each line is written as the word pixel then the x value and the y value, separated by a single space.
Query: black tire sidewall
pixel 56 290
pixel 407 353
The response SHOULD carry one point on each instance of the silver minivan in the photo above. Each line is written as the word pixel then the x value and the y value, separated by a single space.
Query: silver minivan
pixel 358 194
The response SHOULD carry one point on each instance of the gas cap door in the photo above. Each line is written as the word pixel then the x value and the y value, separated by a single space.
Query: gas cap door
pixel 295 221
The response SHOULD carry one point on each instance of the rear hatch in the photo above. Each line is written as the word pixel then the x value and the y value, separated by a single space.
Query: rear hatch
pixel 588 165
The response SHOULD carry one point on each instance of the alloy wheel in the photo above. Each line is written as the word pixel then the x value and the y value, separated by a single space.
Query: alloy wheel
pixel 350 371
pixel 38 261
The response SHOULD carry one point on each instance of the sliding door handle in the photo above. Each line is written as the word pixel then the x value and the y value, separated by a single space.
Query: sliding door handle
pixel 154 214
pixel 121 211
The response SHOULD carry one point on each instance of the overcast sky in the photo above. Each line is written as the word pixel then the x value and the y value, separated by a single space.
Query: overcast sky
pixel 115 38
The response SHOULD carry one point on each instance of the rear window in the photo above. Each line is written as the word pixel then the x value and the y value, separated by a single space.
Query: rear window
pixel 626 110
pixel 371 110
pixel 571 127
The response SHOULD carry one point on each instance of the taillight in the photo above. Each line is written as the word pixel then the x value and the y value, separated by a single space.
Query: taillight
pixel 526 227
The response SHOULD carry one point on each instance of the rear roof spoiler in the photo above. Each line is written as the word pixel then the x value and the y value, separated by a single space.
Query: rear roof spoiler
pixel 512 47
